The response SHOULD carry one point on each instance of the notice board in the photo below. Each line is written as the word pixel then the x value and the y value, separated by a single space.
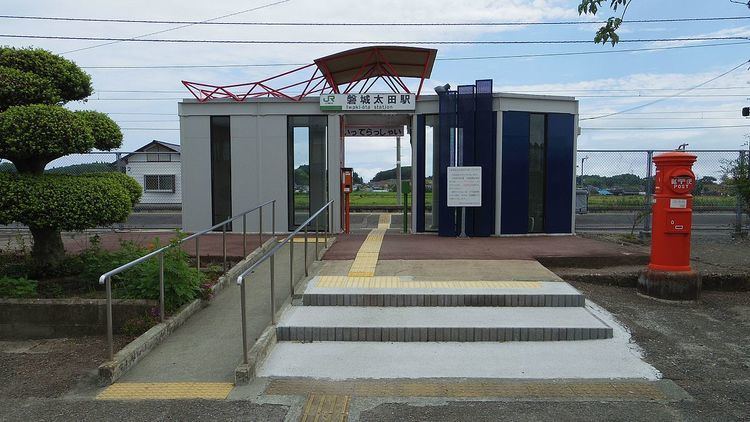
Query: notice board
pixel 465 186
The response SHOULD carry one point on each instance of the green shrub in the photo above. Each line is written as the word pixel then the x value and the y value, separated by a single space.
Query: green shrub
pixel 17 288
pixel 182 282
pixel 66 202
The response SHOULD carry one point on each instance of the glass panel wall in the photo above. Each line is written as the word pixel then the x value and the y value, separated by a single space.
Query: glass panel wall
pixel 537 165
pixel 307 169
pixel 221 170
pixel 431 164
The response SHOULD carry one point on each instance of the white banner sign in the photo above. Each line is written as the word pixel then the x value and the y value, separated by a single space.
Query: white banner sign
pixel 374 131
pixel 367 102
pixel 464 186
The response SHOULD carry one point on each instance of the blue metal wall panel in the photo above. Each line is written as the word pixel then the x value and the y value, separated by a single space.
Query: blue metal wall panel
pixel 514 213
pixel 447 124
pixel 420 189
pixel 465 125
pixel 485 147
pixel 559 183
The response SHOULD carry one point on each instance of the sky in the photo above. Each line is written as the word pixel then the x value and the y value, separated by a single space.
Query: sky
pixel 603 83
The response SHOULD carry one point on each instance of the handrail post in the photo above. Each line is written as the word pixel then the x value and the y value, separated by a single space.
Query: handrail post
pixel 273 218
pixel 260 227
pixel 316 237
pixel 224 246
pixel 161 286
pixel 325 230
pixel 244 235
pixel 244 322
pixel 110 340
pixel 305 250
pixel 273 292
pixel 291 266
pixel 197 253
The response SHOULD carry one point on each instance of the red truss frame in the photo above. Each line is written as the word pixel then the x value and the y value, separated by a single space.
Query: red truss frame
pixel 376 66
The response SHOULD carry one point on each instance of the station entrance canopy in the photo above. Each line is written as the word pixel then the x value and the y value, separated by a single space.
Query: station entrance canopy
pixel 351 71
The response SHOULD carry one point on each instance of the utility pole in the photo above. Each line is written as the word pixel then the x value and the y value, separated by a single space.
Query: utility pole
pixel 398 170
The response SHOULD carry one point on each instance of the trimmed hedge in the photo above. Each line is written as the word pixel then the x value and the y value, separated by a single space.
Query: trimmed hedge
pixel 70 82
pixel 18 88
pixel 66 202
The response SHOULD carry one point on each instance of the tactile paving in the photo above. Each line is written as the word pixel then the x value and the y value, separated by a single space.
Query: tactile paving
pixel 166 391
pixel 325 407
pixel 553 389
pixel 390 282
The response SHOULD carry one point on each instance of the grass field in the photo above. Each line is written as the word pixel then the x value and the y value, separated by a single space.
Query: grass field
pixel 596 202
pixel 604 202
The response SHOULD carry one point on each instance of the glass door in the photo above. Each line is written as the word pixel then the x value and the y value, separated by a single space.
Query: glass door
pixel 307 168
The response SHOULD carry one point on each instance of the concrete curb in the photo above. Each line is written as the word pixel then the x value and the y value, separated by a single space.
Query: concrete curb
pixel 133 352
pixel 260 350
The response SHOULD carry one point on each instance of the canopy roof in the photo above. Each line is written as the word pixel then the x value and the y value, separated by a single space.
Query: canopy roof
pixel 338 73
pixel 353 65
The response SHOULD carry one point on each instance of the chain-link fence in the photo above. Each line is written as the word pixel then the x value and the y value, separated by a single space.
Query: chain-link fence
pixel 619 180
pixel 616 181
pixel 622 181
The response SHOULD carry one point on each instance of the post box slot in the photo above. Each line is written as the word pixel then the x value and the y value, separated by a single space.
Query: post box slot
pixel 678 222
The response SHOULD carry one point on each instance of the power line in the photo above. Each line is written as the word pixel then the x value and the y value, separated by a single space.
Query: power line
pixel 175 28
pixel 627 110
pixel 417 24
pixel 368 42
pixel 513 56
pixel 663 128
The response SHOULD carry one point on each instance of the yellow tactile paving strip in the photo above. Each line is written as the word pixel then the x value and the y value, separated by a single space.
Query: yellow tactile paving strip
pixel 325 407
pixel 384 221
pixel 392 282
pixel 166 391
pixel 367 256
pixel 627 390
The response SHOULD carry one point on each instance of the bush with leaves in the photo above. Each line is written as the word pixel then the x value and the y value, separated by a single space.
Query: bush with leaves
pixel 17 288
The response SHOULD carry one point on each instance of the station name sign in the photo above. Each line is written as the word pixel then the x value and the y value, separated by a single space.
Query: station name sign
pixel 374 131
pixel 368 102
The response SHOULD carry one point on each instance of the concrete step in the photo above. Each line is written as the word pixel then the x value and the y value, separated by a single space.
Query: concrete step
pixel 439 324
pixel 397 292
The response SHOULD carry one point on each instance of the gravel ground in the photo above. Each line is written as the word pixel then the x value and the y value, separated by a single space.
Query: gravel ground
pixel 49 368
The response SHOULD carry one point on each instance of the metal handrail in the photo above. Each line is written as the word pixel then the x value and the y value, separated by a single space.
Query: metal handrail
pixel 270 256
pixel 106 278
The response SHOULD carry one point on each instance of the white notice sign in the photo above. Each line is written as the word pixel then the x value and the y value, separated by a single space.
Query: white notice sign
pixel 677 203
pixel 464 186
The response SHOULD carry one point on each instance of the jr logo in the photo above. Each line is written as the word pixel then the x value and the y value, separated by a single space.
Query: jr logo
pixel 329 99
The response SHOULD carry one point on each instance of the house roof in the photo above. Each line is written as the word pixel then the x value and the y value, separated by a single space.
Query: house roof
pixel 174 147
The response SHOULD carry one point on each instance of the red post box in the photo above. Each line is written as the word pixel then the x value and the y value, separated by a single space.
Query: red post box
pixel 346 190
pixel 669 275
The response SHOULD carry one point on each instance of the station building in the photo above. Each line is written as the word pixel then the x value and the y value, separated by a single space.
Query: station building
pixel 283 138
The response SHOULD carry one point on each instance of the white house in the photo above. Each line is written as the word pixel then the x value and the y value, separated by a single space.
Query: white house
pixel 156 166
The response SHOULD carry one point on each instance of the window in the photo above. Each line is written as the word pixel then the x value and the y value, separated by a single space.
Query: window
pixel 158 157
pixel 159 183
pixel 221 169
pixel 537 174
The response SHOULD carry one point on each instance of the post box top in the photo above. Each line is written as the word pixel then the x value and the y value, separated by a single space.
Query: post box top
pixel 675 157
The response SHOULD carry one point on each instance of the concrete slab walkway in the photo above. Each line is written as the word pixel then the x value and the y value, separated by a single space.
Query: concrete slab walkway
pixel 208 347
